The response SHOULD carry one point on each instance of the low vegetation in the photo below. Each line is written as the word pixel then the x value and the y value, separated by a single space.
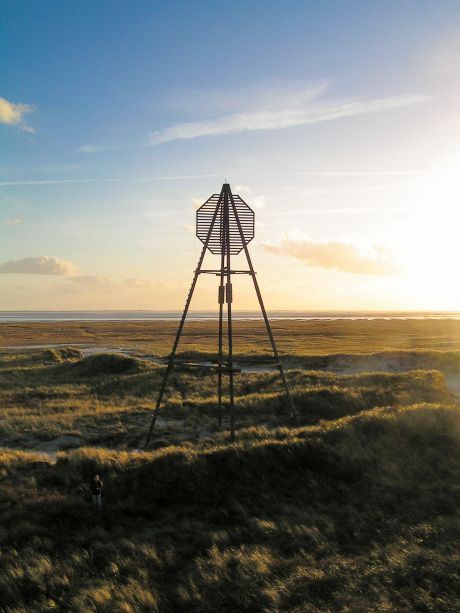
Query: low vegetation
pixel 354 507
pixel 314 337
pixel 106 364
pixel 57 398
pixel 356 514
pixel 61 354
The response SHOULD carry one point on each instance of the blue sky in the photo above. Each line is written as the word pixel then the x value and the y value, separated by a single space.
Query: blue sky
pixel 338 121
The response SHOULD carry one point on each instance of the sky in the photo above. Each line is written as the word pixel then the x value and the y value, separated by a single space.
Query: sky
pixel 337 122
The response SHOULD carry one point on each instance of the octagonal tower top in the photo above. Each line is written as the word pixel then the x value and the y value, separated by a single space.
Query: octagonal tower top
pixel 215 213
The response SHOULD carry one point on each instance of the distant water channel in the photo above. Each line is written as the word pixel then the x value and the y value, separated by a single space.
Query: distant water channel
pixel 50 316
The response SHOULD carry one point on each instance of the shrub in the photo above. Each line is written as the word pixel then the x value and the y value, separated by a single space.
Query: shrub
pixel 62 354
pixel 107 364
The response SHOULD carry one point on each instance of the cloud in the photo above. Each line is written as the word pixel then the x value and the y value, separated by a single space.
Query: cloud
pixel 27 182
pixel 255 201
pixel 128 282
pixel 272 93
pixel 39 265
pixel 91 280
pixel 376 260
pixel 26 128
pixel 291 111
pixel 46 265
pixel 197 202
pixel 12 114
pixel 91 148
pixel 360 173
pixel 137 283
pixel 15 221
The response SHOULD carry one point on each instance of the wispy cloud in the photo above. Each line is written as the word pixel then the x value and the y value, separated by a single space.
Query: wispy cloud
pixel 49 265
pixel 54 182
pixel 125 283
pixel 294 220
pixel 15 221
pixel 342 189
pixel 197 202
pixel 61 181
pixel 39 265
pixel 12 114
pixel 90 280
pixel 38 182
pixel 268 94
pixel 255 201
pixel 360 173
pixel 91 148
pixel 295 111
pixel 376 260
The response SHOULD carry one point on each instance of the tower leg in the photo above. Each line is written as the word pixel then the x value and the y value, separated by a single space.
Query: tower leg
pixel 172 356
pixel 181 325
pixel 221 315
pixel 265 316
pixel 229 299
pixel 219 371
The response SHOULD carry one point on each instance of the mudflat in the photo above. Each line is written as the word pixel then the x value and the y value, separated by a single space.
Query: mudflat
pixel 304 337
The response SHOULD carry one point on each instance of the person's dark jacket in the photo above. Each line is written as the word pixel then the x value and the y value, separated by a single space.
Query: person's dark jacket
pixel 96 487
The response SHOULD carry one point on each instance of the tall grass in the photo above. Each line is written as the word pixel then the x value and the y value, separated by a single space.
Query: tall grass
pixel 357 514
pixel 355 509
pixel 107 399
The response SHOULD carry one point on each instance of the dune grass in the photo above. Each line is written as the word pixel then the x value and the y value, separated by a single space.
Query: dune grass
pixel 356 514
pixel 353 509
pixel 106 399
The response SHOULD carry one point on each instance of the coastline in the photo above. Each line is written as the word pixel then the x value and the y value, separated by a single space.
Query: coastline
pixel 153 315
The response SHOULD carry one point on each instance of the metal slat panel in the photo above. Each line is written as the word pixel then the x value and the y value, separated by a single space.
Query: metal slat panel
pixel 205 215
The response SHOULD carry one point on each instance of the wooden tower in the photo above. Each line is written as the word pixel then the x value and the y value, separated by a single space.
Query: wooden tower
pixel 225 226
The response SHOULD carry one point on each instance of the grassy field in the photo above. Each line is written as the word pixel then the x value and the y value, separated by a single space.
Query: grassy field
pixel 359 514
pixel 56 398
pixel 293 337
pixel 48 394
pixel 355 508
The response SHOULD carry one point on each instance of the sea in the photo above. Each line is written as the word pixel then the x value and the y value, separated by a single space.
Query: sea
pixel 141 315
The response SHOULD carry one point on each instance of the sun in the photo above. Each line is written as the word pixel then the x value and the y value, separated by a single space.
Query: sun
pixel 433 242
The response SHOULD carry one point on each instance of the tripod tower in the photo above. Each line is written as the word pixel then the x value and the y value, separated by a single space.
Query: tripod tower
pixel 225 226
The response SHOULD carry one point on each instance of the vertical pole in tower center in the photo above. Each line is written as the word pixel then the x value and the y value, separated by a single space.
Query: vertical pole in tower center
pixel 228 299
pixel 221 300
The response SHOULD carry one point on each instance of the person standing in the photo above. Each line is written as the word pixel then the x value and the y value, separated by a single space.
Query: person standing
pixel 96 490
